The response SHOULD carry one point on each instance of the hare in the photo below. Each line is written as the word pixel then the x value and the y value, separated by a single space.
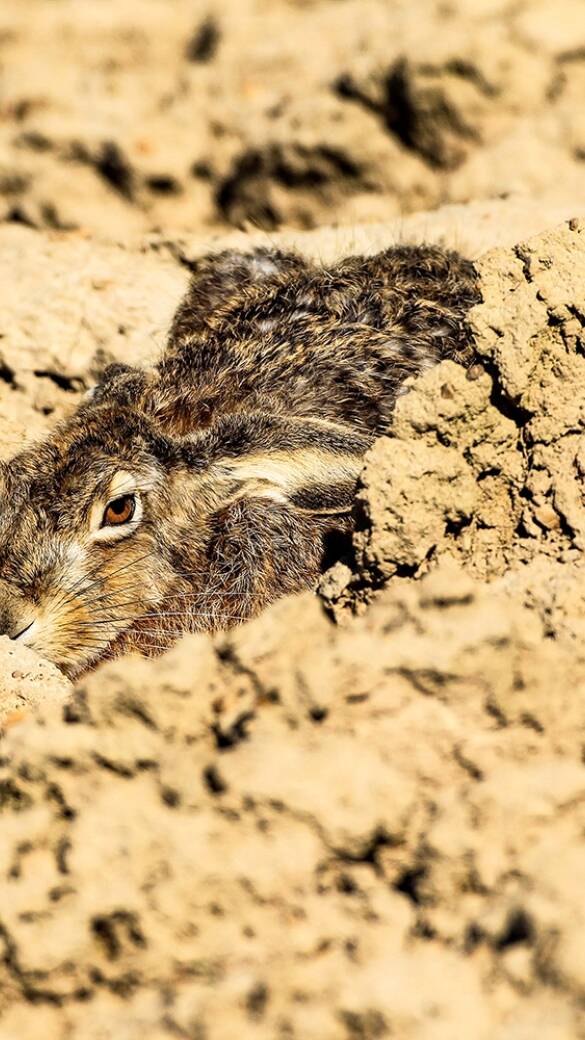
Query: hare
pixel 189 496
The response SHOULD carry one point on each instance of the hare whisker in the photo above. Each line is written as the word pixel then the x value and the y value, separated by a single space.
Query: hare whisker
pixel 108 596
pixel 162 633
pixel 187 613
pixel 69 592
pixel 186 596
pixel 105 577
pixel 109 599
pixel 91 644
pixel 162 647
pixel 102 603
pixel 219 615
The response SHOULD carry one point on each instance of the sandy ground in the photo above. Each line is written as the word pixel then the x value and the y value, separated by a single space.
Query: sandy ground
pixel 360 816
pixel 154 114
pixel 361 827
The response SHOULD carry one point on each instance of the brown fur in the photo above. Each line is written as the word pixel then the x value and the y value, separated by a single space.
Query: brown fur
pixel 242 448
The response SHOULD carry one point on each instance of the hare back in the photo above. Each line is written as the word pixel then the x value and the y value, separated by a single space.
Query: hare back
pixel 270 330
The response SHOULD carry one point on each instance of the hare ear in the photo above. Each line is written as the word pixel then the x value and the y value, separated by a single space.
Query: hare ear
pixel 177 412
pixel 311 483
pixel 309 465
pixel 172 409
pixel 121 384
pixel 222 281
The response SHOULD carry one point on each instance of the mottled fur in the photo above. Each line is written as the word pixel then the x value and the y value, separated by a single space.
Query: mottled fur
pixel 243 447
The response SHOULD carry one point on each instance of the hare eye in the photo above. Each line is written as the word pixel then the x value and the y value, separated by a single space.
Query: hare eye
pixel 119 511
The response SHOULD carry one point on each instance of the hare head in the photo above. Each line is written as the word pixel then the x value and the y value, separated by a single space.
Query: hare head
pixel 117 533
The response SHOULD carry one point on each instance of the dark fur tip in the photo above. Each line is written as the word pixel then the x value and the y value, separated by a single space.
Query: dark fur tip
pixel 121 384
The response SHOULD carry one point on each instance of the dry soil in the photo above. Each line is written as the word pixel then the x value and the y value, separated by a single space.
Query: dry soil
pixel 362 815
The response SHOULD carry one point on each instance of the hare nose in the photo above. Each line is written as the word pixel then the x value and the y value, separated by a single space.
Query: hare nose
pixel 12 623
pixel 11 626
pixel 19 630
